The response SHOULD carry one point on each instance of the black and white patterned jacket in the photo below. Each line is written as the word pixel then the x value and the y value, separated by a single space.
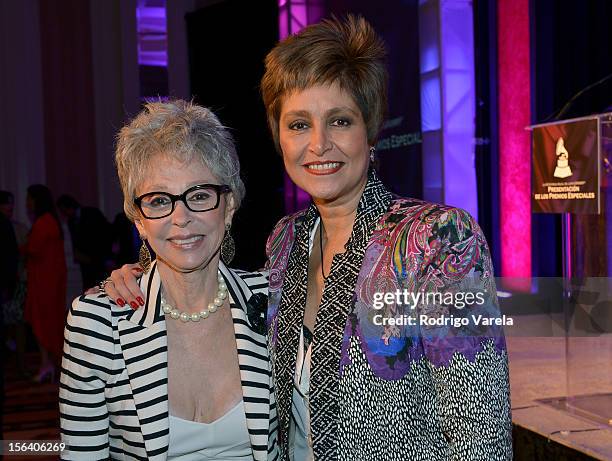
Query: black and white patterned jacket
pixel 390 393
pixel 113 389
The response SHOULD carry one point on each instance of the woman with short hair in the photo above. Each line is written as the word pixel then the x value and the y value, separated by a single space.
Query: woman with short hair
pixel 187 376
pixel 350 386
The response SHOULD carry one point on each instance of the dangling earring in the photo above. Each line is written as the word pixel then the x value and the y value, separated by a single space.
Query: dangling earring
pixel 372 150
pixel 228 248
pixel 144 257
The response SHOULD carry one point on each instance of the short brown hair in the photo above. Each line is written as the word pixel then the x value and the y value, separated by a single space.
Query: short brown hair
pixel 346 52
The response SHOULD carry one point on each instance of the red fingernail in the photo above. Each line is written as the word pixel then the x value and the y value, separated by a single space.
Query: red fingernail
pixel 134 305
pixel 138 269
pixel 140 301
pixel 121 302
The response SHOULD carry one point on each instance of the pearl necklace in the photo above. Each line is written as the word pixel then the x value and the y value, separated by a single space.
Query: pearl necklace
pixel 168 309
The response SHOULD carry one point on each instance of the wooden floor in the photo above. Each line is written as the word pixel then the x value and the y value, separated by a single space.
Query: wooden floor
pixel 30 410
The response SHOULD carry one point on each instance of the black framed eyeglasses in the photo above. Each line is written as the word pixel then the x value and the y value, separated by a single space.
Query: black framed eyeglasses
pixel 203 197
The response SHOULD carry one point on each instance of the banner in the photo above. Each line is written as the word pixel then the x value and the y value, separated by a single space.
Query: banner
pixel 566 167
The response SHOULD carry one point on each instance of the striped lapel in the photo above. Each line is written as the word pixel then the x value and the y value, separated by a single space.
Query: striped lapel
pixel 254 365
pixel 145 350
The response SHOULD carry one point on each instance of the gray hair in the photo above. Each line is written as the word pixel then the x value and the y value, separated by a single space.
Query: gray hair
pixel 180 130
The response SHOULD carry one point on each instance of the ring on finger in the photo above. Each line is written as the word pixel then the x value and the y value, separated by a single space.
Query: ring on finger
pixel 103 283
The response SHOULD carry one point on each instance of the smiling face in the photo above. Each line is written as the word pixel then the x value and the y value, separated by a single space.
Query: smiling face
pixel 185 240
pixel 324 142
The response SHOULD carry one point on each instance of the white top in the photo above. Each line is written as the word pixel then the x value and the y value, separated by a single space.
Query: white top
pixel 300 437
pixel 225 439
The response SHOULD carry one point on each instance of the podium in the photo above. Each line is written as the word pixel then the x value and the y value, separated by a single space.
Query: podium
pixel 571 176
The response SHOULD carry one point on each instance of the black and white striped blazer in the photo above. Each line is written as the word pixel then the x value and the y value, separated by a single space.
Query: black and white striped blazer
pixel 114 382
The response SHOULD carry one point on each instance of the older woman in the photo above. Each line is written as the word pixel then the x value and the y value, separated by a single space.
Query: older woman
pixel 187 376
pixel 421 380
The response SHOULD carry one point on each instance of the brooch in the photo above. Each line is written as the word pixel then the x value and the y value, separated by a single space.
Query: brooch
pixel 257 306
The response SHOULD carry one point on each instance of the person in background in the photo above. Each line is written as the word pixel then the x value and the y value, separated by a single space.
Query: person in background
pixel 8 262
pixel 45 308
pixel 91 237
pixel 13 303
pixel 7 208
pixel 74 277
pixel 126 240
pixel 8 276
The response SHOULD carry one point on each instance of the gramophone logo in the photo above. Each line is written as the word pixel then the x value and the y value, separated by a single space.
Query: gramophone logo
pixel 561 184
pixel 563 169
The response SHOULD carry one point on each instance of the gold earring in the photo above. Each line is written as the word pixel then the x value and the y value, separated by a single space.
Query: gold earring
pixel 228 248
pixel 144 257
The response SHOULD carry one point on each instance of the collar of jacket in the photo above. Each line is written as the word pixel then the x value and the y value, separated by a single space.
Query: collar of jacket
pixel 374 202
pixel 336 304
pixel 142 334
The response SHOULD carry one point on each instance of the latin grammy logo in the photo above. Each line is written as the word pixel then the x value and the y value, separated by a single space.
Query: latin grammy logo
pixel 563 169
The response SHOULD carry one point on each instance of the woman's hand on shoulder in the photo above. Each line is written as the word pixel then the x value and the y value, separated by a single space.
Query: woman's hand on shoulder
pixel 123 286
